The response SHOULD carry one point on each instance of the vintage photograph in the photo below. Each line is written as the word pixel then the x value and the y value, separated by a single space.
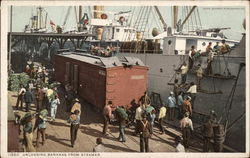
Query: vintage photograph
pixel 136 78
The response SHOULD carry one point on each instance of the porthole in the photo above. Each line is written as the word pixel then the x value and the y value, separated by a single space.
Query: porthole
pixel 169 42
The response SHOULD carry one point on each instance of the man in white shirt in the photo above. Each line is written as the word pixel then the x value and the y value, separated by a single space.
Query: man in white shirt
pixel 186 127
pixel 184 70
pixel 199 75
pixel 138 117
pixel 20 97
pixel 192 90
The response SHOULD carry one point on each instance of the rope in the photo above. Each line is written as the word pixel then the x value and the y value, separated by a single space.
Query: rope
pixel 230 99
pixel 199 16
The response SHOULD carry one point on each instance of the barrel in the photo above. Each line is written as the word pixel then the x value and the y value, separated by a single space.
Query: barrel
pixel 219 137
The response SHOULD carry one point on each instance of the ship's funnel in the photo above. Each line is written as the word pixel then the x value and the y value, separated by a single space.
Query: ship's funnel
pixel 98 11
pixel 99 32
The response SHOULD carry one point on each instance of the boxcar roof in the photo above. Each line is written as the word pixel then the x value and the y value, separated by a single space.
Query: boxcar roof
pixel 106 62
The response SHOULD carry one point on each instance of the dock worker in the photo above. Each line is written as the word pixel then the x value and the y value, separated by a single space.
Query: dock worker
pixel 180 101
pixel 184 71
pixel 192 91
pixel 209 48
pixel 162 115
pixel 176 88
pixel 199 76
pixel 20 97
pixel 187 107
pixel 39 93
pixel 187 128
pixel 122 117
pixel 99 146
pixel 40 125
pixel 27 131
pixel 208 134
pixel 107 115
pixel 216 48
pixel 74 126
pixel 76 106
pixel 69 97
pixel 145 133
pixel 171 103
pixel 146 101
pixel 138 117
pixel 210 58
pixel 193 54
pixel 53 108
pixel 224 48
pixel 28 98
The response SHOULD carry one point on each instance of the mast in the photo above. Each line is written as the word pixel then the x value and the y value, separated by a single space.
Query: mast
pixel 175 17
pixel 80 14
pixel 40 17
pixel 191 11
pixel 161 18
pixel 45 20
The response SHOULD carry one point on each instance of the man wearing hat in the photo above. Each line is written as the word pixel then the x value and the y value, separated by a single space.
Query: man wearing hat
pixel 224 48
pixel 75 123
pixel 192 90
pixel 76 106
pixel 171 103
pixel 199 75
pixel 186 127
pixel 27 132
pixel 145 131
pixel 187 107
pixel 28 98
pixel 40 94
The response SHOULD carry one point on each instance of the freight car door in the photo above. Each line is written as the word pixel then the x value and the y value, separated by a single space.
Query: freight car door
pixel 67 72
pixel 75 79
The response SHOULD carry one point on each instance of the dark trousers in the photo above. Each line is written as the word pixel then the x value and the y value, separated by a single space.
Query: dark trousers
pixel 206 145
pixel 73 133
pixel 144 144
pixel 186 134
pixel 27 107
pixel 161 125
pixel 198 82
pixel 193 96
pixel 19 99
pixel 137 127
pixel 105 124
pixel 40 132
pixel 183 78
pixel 171 113
pixel 39 105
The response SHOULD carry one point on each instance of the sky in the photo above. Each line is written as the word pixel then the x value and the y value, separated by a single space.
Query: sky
pixel 210 17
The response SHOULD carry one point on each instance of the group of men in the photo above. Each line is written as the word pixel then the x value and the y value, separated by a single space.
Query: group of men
pixel 218 49
pixel 145 116
pixel 46 99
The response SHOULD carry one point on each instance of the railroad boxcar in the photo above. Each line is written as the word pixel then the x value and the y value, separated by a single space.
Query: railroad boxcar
pixel 100 79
